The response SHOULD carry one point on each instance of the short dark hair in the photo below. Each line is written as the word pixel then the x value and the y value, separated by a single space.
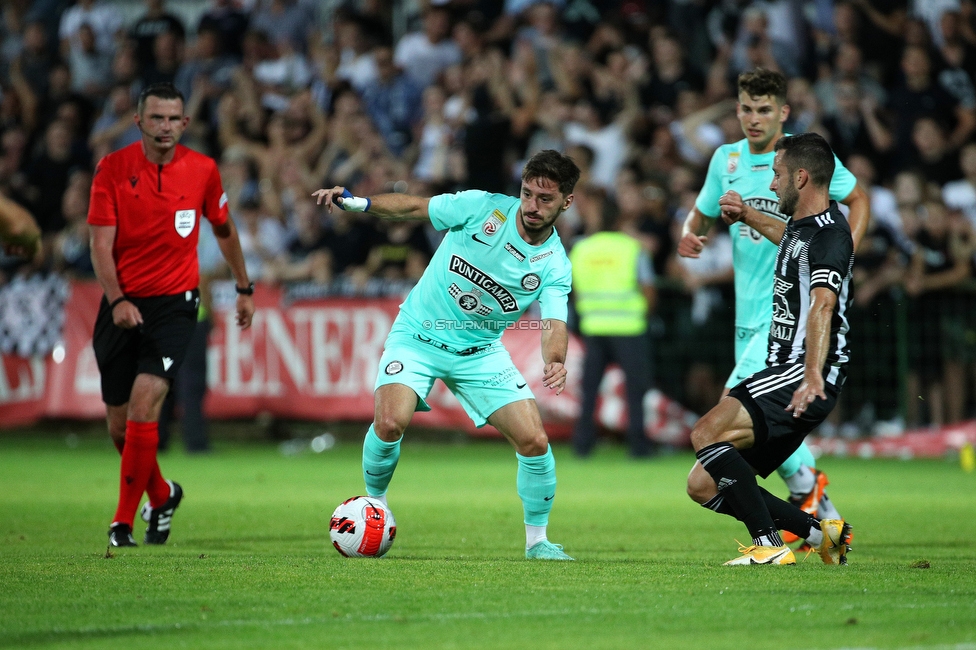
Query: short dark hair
pixel 163 90
pixel 808 151
pixel 761 82
pixel 554 166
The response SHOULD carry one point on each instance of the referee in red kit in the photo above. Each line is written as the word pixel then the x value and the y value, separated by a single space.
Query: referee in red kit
pixel 147 202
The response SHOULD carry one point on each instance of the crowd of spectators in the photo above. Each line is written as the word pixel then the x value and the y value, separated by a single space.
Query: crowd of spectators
pixel 428 97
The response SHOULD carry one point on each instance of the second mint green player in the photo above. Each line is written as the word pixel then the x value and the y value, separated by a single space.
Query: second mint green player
pixel 739 175
pixel 500 254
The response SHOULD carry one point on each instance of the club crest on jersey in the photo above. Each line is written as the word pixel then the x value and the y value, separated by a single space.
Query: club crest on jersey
pixel 185 220
pixel 493 223
pixel 393 367
pixel 733 162
pixel 531 282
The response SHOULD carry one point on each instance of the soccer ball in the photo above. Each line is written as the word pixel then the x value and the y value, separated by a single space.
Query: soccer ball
pixel 362 527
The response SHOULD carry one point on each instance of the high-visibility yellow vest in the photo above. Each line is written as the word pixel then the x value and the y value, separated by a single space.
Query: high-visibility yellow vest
pixel 609 299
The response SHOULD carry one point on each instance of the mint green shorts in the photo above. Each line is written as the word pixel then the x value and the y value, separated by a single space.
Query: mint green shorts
pixel 483 381
pixel 750 353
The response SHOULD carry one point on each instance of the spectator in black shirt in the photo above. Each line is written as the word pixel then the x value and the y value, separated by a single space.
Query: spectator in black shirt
pixel 166 62
pixel 936 161
pixel 917 96
pixel 36 58
pixel 348 241
pixel 307 258
pixel 669 75
pixel 156 21
pixel 881 34
pixel 47 176
pixel 940 263
pixel 400 251
pixel 854 127
pixel 230 22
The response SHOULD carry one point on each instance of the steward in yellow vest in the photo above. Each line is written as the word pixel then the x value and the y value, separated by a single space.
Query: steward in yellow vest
pixel 613 290
pixel 609 297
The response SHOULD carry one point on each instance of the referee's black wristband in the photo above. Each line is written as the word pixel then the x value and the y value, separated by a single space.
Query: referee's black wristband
pixel 245 291
pixel 115 302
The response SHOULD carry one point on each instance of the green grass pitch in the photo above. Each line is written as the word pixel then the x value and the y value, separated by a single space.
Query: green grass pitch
pixel 249 564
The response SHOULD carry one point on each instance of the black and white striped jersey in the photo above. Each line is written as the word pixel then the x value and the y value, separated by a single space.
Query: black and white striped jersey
pixel 815 251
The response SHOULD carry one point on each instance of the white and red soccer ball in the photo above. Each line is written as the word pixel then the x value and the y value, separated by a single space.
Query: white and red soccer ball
pixel 362 527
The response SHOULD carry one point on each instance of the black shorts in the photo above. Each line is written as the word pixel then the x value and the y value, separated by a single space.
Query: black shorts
pixel 156 347
pixel 766 394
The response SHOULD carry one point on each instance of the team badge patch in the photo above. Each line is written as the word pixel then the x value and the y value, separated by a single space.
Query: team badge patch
pixel 494 222
pixel 531 282
pixel 393 367
pixel 185 220
pixel 733 162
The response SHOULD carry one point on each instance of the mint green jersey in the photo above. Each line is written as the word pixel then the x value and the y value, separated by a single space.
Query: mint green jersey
pixel 483 275
pixel 734 167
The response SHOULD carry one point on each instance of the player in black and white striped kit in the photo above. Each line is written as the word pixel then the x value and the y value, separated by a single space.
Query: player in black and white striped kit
pixel 814 252
pixel 765 418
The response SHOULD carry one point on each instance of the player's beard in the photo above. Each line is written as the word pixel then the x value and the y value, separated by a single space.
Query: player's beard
pixel 544 225
pixel 788 198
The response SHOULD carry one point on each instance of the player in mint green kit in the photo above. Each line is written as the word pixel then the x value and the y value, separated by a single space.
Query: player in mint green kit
pixel 740 174
pixel 500 254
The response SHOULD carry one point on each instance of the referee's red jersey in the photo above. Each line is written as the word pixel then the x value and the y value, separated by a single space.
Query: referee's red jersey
pixel 157 211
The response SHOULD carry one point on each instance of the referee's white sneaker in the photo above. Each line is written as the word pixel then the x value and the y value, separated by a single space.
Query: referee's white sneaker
pixel 763 555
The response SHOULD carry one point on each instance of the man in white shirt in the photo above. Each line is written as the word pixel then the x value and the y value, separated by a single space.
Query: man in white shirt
pixel 424 55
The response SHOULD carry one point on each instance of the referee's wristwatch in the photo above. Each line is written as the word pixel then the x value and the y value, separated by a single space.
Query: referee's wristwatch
pixel 245 291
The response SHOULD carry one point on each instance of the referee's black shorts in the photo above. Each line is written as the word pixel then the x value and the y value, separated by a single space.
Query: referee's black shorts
pixel 766 394
pixel 157 347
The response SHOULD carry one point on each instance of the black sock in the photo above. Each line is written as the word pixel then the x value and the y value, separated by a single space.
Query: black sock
pixel 787 516
pixel 720 504
pixel 736 481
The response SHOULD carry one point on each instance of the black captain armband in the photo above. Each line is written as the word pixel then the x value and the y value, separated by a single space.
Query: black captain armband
pixel 245 291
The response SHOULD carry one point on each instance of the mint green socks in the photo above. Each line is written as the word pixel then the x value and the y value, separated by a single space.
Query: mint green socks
pixel 802 456
pixel 536 484
pixel 379 462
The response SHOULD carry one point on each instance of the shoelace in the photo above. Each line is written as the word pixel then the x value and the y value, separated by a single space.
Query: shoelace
pixel 745 549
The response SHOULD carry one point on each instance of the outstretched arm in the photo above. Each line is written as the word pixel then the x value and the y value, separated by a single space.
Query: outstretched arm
pixel 555 343
pixel 386 206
